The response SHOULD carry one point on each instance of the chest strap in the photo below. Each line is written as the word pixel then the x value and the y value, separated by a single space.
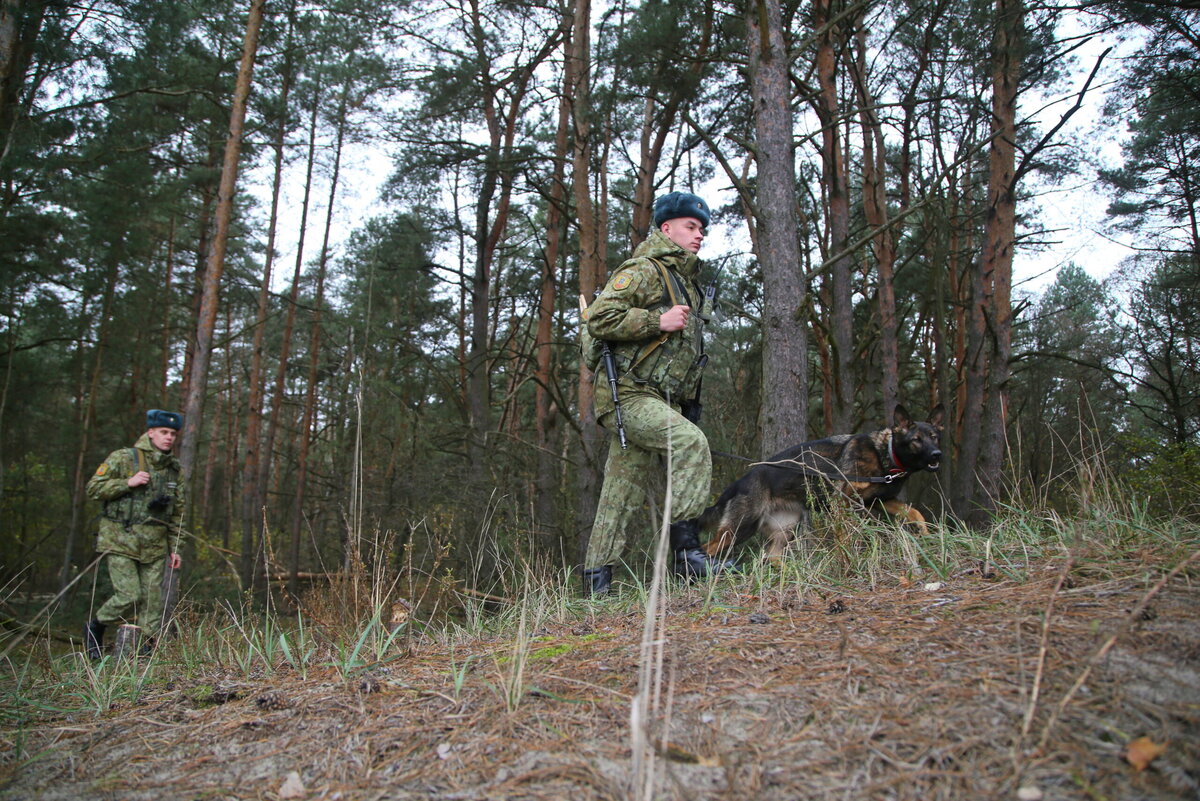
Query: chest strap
pixel 669 281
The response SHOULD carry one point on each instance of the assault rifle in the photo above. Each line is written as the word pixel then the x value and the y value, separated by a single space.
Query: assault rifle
pixel 610 367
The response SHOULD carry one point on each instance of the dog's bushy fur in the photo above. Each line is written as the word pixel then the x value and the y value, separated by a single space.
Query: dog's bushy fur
pixel 774 494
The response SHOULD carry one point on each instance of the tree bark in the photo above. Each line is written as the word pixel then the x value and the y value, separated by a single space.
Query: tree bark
pixel 20 25
pixel 86 417
pixel 591 265
pixel 784 416
pixel 165 356
pixel 546 480
pixel 273 420
pixel 833 171
pixel 8 371
pixel 999 239
pixel 251 500
pixel 875 210
pixel 314 352
pixel 194 406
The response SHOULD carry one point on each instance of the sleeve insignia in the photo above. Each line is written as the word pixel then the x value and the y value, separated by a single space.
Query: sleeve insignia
pixel 102 469
pixel 621 281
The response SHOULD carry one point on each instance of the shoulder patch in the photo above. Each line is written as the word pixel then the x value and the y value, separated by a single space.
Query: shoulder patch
pixel 621 281
pixel 102 469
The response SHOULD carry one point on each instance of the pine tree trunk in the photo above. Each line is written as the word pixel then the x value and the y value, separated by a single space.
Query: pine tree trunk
pixel 591 267
pixel 165 356
pixel 975 368
pixel 207 513
pixel 231 449
pixel 251 501
pixel 314 354
pixel 203 225
pixel 8 371
pixel 86 418
pixel 784 413
pixel 833 171
pixel 999 239
pixel 20 25
pixel 197 385
pixel 546 479
pixel 477 363
pixel 274 419
pixel 875 210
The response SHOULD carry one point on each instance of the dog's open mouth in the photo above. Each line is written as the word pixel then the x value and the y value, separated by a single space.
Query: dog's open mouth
pixel 933 466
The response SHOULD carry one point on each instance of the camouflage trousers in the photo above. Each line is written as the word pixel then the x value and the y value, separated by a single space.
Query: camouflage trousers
pixel 656 432
pixel 137 593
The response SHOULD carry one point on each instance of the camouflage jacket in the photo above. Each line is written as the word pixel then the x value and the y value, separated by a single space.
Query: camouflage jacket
pixel 627 312
pixel 131 522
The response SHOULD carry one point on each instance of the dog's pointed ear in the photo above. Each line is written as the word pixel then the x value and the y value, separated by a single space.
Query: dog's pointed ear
pixel 937 416
pixel 900 417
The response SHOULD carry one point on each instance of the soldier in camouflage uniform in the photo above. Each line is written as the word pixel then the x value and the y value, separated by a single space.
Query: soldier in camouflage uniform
pixel 651 314
pixel 140 527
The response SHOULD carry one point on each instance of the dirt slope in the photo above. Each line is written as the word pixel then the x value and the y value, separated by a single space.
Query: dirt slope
pixel 915 692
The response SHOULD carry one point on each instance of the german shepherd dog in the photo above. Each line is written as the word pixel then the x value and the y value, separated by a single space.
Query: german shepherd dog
pixel 862 469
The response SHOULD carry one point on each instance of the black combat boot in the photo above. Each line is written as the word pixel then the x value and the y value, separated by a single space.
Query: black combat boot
pixel 597 580
pixel 690 559
pixel 93 639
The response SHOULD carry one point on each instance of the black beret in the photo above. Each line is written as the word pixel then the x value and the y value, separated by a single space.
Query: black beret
pixel 680 204
pixel 157 418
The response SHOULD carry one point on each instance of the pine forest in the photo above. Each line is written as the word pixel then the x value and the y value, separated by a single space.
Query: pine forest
pixel 351 243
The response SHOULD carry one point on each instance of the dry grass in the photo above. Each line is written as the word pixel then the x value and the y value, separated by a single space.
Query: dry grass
pixel 881 687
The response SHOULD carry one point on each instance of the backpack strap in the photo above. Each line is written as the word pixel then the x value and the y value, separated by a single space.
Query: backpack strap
pixel 670 283
pixel 139 462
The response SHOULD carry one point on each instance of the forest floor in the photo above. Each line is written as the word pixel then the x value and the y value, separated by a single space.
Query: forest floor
pixel 953 690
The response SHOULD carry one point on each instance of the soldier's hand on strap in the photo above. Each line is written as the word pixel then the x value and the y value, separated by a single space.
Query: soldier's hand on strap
pixel 674 318
pixel 174 561
pixel 138 479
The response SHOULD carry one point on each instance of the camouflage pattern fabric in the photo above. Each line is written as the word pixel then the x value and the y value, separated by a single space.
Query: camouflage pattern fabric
pixel 653 427
pixel 128 527
pixel 137 593
pixel 627 312
pixel 134 537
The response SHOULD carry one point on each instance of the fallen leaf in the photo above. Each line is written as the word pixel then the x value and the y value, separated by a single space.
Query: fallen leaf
pixel 934 586
pixel 1142 751
pixel 292 787
pixel 1029 793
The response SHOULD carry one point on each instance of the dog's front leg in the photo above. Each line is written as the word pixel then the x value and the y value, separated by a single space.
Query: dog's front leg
pixel 778 538
pixel 721 542
pixel 910 515
pixel 780 529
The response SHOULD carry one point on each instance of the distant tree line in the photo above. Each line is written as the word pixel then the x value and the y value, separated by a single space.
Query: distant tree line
pixel 417 372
